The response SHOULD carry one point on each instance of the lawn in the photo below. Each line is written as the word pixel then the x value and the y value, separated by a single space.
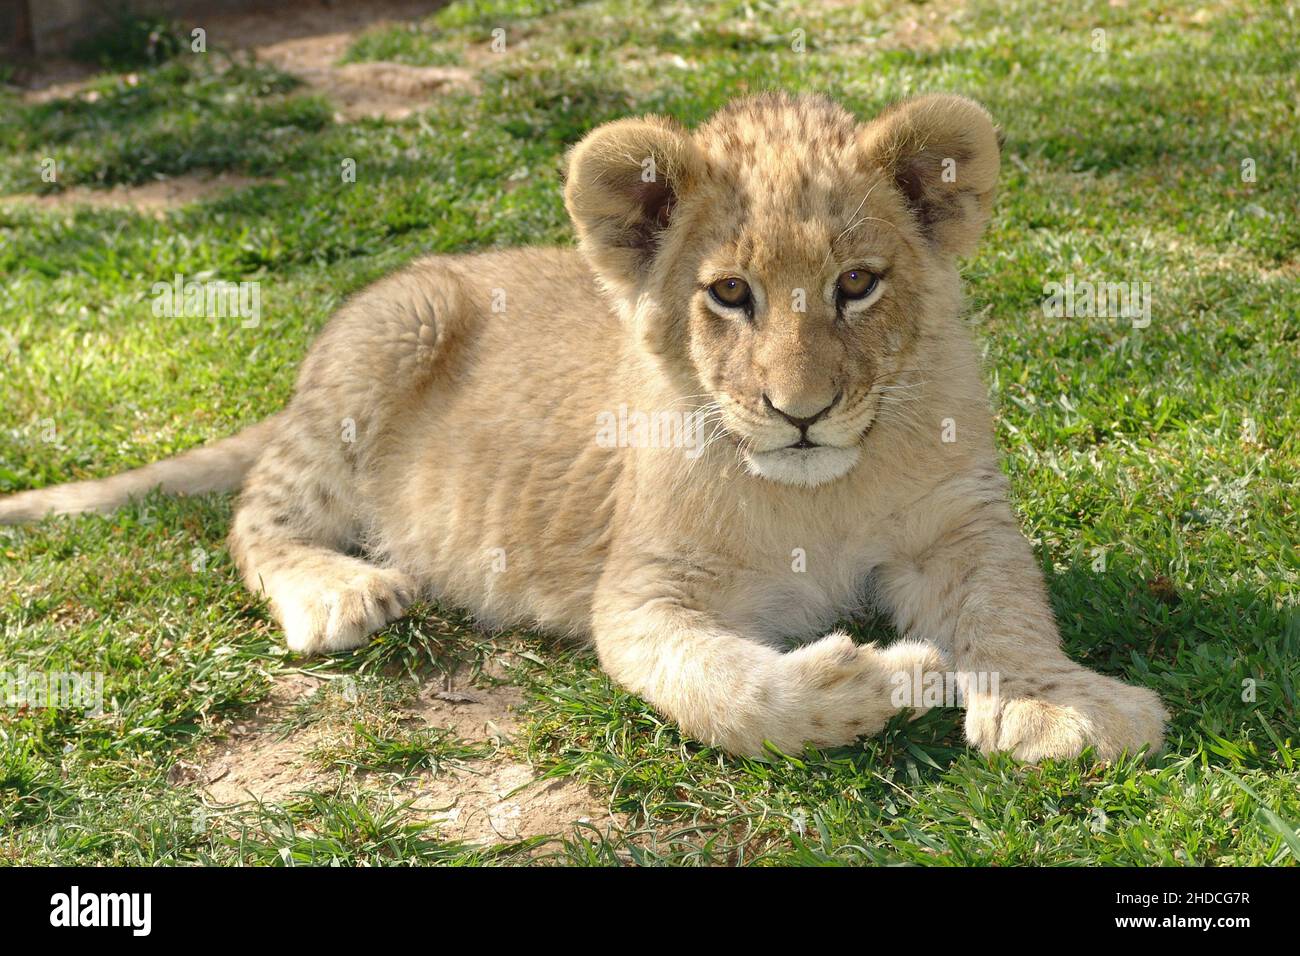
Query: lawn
pixel 1155 468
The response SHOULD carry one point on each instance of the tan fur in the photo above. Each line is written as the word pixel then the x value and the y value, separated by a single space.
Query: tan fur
pixel 451 448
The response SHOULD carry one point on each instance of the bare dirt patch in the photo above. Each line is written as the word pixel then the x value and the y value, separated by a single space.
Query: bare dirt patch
pixel 306 39
pixel 151 198
pixel 254 762
pixel 309 41
pixel 390 91
pixel 925 27
pixel 497 799
pixel 54 78
pixel 493 799
pixel 301 37
pixel 277 25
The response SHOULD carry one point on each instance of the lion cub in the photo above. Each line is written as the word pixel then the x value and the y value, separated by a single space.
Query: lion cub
pixel 778 290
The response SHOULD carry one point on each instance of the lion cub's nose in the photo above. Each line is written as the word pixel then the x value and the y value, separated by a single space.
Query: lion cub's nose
pixel 793 409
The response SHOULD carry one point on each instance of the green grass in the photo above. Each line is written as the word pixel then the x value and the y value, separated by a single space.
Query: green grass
pixel 130 40
pixel 1171 450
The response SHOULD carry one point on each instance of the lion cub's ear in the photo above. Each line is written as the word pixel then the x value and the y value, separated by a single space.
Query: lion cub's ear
pixel 623 182
pixel 942 151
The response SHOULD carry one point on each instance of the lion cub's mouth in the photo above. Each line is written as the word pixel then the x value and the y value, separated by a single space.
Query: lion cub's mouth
pixel 804 467
pixel 804 463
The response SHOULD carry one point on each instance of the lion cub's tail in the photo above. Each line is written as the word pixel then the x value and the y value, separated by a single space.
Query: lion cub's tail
pixel 216 466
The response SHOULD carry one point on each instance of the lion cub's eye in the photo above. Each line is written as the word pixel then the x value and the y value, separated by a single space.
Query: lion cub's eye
pixel 857 284
pixel 731 292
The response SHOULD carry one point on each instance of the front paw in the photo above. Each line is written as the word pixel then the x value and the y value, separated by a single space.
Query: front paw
pixel 1066 714
pixel 836 691
pixel 339 611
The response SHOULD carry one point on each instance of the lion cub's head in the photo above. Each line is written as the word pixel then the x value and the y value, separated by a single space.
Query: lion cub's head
pixel 784 259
